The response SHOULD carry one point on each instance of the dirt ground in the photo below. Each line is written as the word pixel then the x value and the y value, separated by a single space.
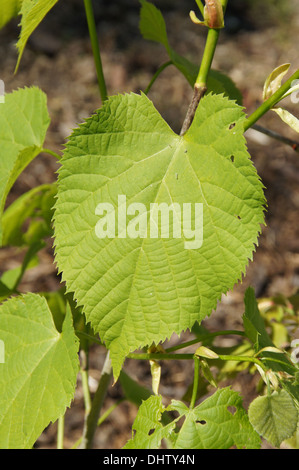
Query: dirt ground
pixel 59 60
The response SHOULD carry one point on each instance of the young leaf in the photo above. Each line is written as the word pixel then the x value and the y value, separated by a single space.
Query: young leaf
pixel 33 12
pixel 24 121
pixel 274 416
pixel 273 81
pixel 288 118
pixel 219 422
pixel 38 378
pixel 8 10
pixel 152 24
pixel 152 27
pixel 149 431
pixel 136 291
pixel 203 351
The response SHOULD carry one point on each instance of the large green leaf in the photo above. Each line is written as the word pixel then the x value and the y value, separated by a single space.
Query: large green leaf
pixel 38 377
pixel 24 121
pixel 152 27
pixel 219 422
pixel 33 12
pixel 138 290
pixel 8 10
pixel 274 416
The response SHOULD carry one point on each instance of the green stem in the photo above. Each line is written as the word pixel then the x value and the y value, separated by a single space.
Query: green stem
pixel 254 360
pixel 91 338
pixel 160 356
pixel 109 411
pixel 60 432
pixel 270 102
pixel 282 363
pixel 95 48
pixel 200 86
pixel 205 338
pixel 156 75
pixel 195 382
pixel 50 152
pixel 207 59
pixel 91 422
pixel 166 356
pixel 84 378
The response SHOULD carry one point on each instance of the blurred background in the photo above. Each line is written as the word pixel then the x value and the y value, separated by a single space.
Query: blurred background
pixel 258 37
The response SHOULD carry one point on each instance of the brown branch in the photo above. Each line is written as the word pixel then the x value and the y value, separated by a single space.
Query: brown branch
pixel 198 93
pixel 275 135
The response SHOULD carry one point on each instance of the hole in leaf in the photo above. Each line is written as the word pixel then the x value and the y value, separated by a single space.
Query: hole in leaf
pixel 232 409
pixel 201 422
pixel 238 216
pixel 232 158
pixel 151 431
pixel 232 125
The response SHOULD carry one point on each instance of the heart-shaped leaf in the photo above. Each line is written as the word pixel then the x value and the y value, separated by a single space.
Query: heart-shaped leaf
pixel 140 287
pixel 274 416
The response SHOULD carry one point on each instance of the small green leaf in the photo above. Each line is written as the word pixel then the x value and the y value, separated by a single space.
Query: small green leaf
pixel 152 25
pixel 156 376
pixel 149 431
pixel 38 377
pixel 207 373
pixel 203 351
pixel 273 81
pixel 8 10
pixel 219 422
pixel 33 12
pixel 274 416
pixel 293 89
pixel 288 118
pixel 269 349
pixel 194 18
pixel 24 121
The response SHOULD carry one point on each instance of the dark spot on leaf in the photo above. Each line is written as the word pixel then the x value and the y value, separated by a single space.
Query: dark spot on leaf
pixel 232 409
pixel 151 431
pixel 232 158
